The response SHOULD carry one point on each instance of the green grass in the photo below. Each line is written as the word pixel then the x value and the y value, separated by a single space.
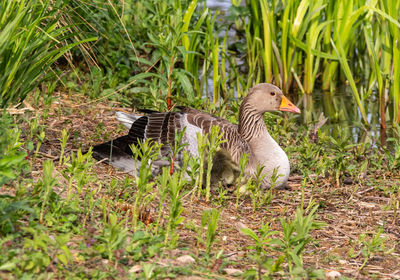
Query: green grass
pixel 63 215
pixel 32 38
pixel 71 214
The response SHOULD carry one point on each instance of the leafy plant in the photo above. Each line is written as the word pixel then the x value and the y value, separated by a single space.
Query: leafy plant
pixel 175 208
pixel 30 42
pixel 11 211
pixel 291 244
pixel 144 155
pixel 112 238
pixel 210 219
pixel 213 141
pixel 45 187
pixel 372 246
pixel 77 170
pixel 263 242
pixel 12 158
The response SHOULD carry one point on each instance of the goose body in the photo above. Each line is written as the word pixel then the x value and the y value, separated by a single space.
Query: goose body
pixel 249 136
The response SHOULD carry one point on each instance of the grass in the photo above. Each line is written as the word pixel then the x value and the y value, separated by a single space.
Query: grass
pixel 96 221
pixel 31 40
pixel 62 213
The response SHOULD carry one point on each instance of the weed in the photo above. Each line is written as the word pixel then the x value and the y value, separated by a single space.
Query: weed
pixel 78 170
pixel 12 158
pixel 175 211
pixel 243 162
pixel 210 218
pixel 144 154
pixel 263 242
pixel 371 247
pixel 292 245
pixel 45 186
pixel 112 238
pixel 63 143
pixel 214 140
pixel 11 211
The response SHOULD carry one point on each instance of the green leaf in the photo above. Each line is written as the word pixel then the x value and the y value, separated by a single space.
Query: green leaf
pixel 8 266
pixel 250 233
pixel 186 85
pixel 62 258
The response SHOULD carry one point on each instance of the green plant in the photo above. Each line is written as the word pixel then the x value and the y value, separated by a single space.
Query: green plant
pixel 291 244
pixel 12 158
pixel 78 171
pixel 30 41
pixel 11 211
pixel 213 141
pixel 63 143
pixel 243 162
pixel 259 195
pixel 45 186
pixel 210 218
pixel 175 209
pixel 393 153
pixel 144 245
pixel 162 188
pixel 112 238
pixel 144 154
pixel 263 242
pixel 372 246
pixel 37 245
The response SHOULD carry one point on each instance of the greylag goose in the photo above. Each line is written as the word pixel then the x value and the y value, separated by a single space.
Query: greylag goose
pixel 249 136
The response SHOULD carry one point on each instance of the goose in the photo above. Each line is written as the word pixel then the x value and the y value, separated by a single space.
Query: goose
pixel 249 136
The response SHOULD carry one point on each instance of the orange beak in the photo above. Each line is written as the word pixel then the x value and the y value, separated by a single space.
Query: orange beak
pixel 288 106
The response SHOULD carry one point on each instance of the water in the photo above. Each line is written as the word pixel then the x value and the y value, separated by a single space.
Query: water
pixel 339 106
pixel 222 5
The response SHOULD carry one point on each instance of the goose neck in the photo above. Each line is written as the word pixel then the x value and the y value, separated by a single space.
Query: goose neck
pixel 251 123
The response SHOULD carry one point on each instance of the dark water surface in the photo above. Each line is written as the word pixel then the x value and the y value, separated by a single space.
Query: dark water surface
pixel 338 106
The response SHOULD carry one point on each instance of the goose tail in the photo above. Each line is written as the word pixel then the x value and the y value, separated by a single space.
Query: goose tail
pixel 126 119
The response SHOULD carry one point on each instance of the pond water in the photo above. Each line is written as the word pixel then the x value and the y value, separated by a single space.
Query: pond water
pixel 339 106
pixel 222 5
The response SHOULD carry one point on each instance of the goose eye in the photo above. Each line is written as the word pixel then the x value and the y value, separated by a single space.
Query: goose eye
pixel 273 93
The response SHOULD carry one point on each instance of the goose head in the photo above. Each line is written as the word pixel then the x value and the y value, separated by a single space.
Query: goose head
pixel 267 98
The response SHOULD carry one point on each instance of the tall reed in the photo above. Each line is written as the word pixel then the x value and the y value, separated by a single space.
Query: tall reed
pixel 31 39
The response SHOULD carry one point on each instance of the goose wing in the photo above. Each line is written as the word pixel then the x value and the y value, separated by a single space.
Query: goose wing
pixel 234 143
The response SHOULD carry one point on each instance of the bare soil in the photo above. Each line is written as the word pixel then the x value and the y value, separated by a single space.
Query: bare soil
pixel 348 209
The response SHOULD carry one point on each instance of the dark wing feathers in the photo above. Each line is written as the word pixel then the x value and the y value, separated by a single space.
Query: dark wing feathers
pixel 138 130
pixel 162 127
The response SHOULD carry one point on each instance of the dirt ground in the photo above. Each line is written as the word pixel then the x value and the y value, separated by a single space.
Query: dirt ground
pixel 348 210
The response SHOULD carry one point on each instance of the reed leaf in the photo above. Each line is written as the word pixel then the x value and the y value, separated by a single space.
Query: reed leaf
pixel 267 43
pixel 186 21
pixel 346 69
pixel 30 41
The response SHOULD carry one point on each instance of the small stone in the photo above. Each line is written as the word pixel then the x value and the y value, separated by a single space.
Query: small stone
pixel 348 181
pixel 135 268
pixel 232 271
pixel 366 204
pixel 240 225
pixel 342 261
pixel 233 258
pixel 333 274
pixel 186 259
